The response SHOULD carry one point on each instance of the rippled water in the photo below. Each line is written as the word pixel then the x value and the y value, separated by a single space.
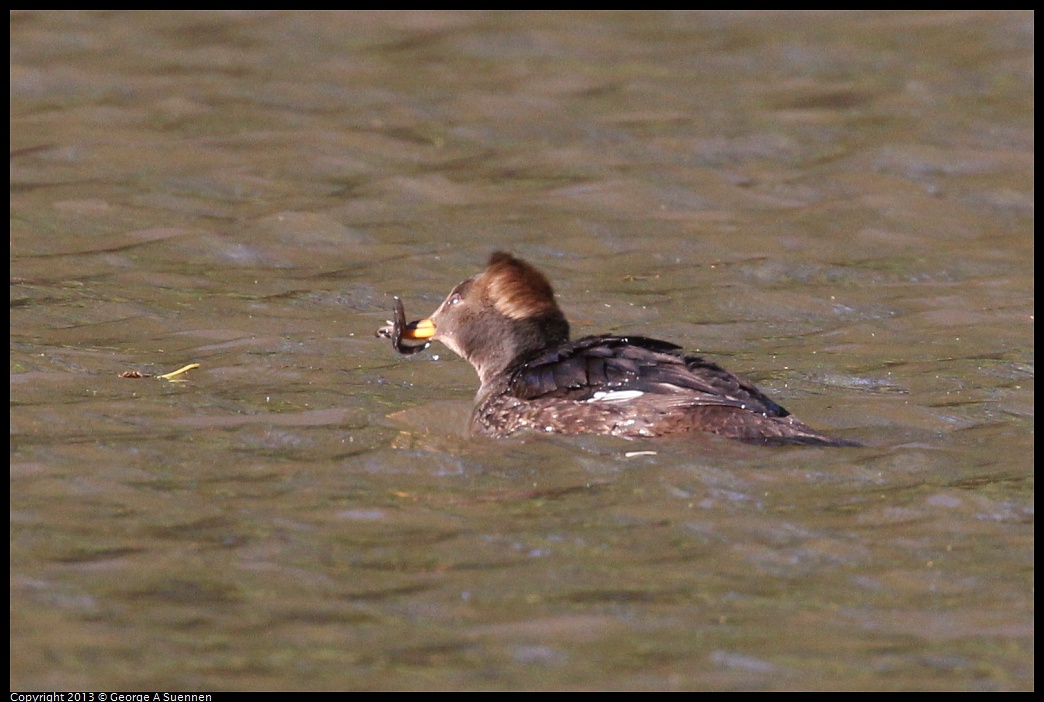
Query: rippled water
pixel 837 205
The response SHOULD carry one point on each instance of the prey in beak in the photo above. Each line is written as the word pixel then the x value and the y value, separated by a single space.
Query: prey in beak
pixel 399 331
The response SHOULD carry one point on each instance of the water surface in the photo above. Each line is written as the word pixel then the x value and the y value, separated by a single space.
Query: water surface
pixel 837 205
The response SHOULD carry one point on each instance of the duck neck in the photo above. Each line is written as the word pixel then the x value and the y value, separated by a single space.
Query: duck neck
pixel 520 340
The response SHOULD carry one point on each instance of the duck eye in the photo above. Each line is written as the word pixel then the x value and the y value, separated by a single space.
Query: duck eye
pixel 454 299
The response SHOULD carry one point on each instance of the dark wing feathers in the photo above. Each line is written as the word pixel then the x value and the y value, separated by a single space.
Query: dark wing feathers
pixel 680 393
pixel 609 363
pixel 731 385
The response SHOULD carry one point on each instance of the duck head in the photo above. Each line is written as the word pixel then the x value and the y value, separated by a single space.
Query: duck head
pixel 497 317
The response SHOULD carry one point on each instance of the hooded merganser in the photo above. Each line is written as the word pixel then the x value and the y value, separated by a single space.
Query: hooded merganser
pixel 505 322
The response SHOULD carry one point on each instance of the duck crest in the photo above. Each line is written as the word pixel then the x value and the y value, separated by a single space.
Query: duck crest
pixel 516 289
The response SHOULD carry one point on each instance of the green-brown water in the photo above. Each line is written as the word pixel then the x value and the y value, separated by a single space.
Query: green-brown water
pixel 838 205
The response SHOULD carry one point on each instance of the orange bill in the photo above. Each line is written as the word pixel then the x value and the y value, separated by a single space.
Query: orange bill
pixel 421 329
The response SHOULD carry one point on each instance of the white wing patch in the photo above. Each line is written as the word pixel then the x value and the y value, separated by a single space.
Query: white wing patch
pixel 616 396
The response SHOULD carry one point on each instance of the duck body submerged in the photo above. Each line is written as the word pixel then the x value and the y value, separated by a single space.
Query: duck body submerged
pixel 506 323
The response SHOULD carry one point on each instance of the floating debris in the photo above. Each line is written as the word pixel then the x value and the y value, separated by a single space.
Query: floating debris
pixel 171 377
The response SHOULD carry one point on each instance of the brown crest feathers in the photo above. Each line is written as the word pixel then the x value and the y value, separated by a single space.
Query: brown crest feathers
pixel 517 289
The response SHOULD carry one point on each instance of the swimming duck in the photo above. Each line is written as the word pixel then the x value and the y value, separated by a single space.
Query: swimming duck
pixel 505 322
